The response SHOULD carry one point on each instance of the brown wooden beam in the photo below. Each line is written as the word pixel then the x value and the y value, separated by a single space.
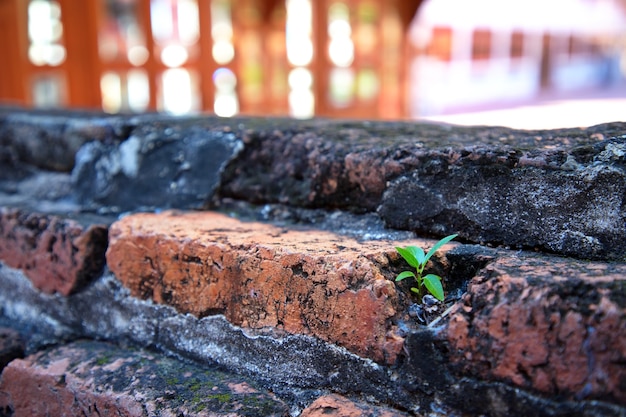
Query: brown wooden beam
pixel 407 10
pixel 80 26
pixel 13 27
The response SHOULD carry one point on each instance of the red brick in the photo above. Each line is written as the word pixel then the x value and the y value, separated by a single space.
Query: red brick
pixel 56 254
pixel 89 378
pixel 550 324
pixel 337 406
pixel 258 275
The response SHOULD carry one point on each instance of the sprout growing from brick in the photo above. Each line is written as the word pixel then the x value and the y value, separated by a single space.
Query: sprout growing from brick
pixel 416 257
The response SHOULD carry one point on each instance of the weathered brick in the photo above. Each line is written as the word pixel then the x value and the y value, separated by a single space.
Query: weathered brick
pixel 89 378
pixel 549 324
pixel 58 255
pixel 561 191
pixel 337 406
pixel 258 275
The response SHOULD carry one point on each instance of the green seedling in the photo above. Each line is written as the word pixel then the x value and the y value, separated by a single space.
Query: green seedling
pixel 416 257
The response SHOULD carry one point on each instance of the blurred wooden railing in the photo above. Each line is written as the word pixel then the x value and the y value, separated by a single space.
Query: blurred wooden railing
pixel 228 57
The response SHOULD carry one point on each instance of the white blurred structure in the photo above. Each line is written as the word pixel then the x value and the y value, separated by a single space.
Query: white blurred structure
pixel 481 52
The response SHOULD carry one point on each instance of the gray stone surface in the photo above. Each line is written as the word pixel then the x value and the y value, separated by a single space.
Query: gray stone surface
pixel 50 139
pixel 159 166
pixel 577 213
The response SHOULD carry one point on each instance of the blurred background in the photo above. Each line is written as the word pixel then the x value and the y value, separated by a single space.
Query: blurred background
pixel 529 64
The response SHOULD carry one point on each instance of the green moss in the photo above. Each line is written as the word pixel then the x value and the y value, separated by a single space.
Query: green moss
pixel 171 381
pixel 194 385
pixel 103 360
pixel 222 398
pixel 201 402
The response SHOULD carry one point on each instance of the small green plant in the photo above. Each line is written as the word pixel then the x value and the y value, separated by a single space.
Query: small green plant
pixel 416 257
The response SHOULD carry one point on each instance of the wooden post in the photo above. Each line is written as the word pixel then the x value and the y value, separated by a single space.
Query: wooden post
pixel 13 47
pixel 82 66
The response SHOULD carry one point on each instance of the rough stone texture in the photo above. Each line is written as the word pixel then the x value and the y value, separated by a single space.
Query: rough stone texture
pixel 49 139
pixel 173 165
pixel 560 191
pixel 338 406
pixel 260 276
pixel 58 255
pixel 11 346
pixel 324 163
pixel 95 378
pixel 556 327
pixel 575 211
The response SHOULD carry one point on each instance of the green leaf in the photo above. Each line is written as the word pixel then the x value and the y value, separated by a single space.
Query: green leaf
pixel 433 284
pixel 415 290
pixel 404 274
pixel 437 246
pixel 412 254
pixel 418 253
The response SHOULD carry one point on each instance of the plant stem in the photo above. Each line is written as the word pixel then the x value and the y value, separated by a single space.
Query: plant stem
pixel 418 278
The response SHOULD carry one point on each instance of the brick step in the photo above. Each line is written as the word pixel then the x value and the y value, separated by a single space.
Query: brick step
pixel 535 319
pixel 527 320
pixel 58 254
pixel 262 276
pixel 550 324
pixel 300 298
pixel 91 378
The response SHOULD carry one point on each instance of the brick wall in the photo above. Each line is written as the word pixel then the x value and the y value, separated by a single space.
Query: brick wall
pixel 205 266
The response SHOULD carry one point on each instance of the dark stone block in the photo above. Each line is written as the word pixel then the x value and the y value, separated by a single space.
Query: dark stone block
pixel 50 139
pixel 559 191
pixel 158 166
pixel 577 213
pixel 11 346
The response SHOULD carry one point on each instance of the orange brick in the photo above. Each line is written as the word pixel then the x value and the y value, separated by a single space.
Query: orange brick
pixel 260 276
